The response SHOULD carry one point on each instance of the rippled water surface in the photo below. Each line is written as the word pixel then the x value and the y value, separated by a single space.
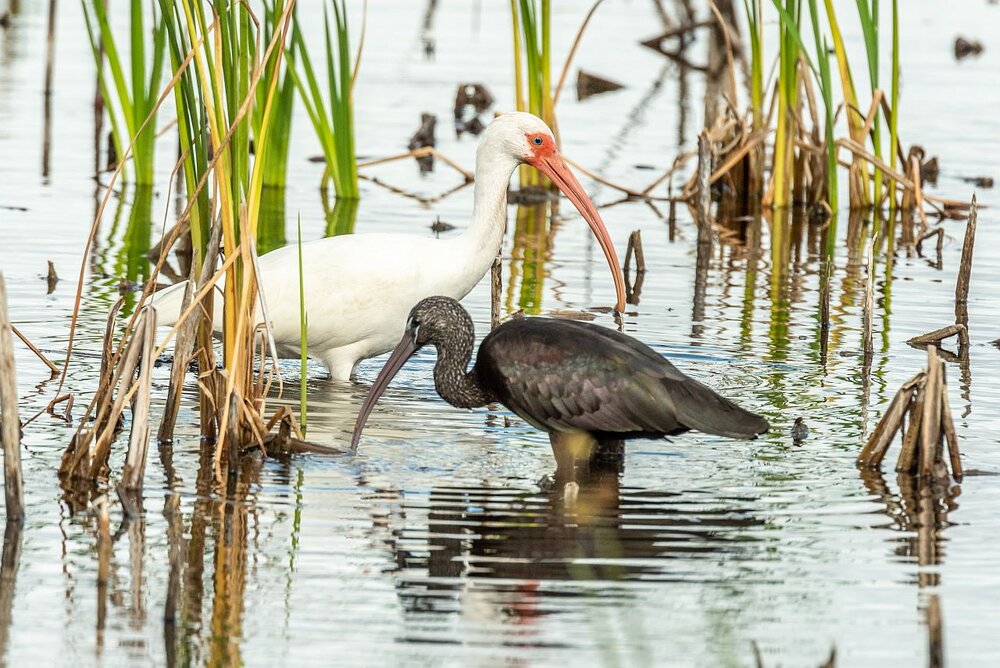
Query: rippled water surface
pixel 435 545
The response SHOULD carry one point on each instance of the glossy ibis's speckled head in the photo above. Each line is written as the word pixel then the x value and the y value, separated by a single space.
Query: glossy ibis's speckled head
pixel 438 318
pixel 434 320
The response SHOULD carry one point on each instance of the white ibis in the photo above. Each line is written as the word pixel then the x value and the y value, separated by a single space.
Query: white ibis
pixel 360 287
pixel 587 386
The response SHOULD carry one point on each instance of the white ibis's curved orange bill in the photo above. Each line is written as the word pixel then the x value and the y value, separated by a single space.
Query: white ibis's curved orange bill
pixel 404 350
pixel 553 166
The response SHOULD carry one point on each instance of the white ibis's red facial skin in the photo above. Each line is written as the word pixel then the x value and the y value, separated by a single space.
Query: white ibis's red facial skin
pixel 544 156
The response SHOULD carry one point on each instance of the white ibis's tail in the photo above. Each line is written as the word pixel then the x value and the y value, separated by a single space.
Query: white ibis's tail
pixel 169 302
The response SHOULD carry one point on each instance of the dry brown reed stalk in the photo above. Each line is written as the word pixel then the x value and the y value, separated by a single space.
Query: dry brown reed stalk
pixel 572 53
pixel 496 289
pixel 634 248
pixel 424 152
pixel 631 192
pixel 869 308
pixel 95 226
pixel 703 175
pixel 184 346
pixel 138 445
pixel 935 636
pixel 939 335
pixel 924 400
pixel 10 423
pixel 965 268
pixel 38 353
pixel 939 245
pixel 104 547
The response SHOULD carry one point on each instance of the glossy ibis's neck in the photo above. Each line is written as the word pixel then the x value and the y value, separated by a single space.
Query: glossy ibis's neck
pixel 453 382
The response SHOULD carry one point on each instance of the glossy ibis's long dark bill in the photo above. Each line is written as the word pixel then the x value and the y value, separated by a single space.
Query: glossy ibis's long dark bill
pixel 403 351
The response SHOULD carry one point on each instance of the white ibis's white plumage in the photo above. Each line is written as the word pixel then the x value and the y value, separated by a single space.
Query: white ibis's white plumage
pixel 359 288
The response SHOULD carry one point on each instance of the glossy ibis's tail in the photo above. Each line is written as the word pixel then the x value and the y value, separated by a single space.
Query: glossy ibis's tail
pixel 699 407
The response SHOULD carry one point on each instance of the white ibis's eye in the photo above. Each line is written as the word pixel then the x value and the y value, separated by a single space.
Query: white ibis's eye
pixel 538 141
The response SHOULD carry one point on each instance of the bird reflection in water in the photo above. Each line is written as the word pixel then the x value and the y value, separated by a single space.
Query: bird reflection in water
pixel 467 547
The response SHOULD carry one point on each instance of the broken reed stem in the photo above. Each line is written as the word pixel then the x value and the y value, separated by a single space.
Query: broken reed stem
pixel 424 152
pixel 965 268
pixel 182 352
pixel 10 422
pixel 885 431
pixel 704 177
pixel 123 375
pixel 496 288
pixel 38 353
pixel 138 445
pixel 939 335
pixel 868 316
pixel 907 461
pixel 634 248
pixel 936 232
pixel 930 432
pixel 948 426
pixel 925 398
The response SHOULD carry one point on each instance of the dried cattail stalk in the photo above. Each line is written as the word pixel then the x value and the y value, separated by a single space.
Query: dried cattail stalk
pixel 38 353
pixel 10 422
pixel 496 289
pixel 939 335
pixel 135 460
pixel 885 431
pixel 907 462
pixel 930 429
pixel 965 268
pixel 704 176
pixel 635 248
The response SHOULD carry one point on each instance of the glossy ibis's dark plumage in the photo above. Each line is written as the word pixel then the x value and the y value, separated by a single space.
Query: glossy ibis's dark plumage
pixel 564 377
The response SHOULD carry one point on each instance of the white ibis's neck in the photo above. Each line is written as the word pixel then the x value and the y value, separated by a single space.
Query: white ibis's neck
pixel 482 240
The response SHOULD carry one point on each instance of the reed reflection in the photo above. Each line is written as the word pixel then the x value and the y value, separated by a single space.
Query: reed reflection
pixel 9 566
pixel 530 251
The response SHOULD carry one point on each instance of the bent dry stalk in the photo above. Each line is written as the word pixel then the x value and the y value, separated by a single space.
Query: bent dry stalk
pixel 10 423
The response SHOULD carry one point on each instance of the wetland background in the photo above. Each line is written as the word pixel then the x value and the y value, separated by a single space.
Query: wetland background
pixel 434 545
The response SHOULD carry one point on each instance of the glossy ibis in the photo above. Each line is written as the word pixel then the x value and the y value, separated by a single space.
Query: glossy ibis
pixel 360 287
pixel 584 384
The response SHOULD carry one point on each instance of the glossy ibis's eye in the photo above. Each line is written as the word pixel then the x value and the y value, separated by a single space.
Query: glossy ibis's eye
pixel 538 141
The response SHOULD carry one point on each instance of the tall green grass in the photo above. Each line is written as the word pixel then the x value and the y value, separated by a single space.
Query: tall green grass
pixel 216 100
pixel 788 86
pixel 894 108
pixel 333 117
pixel 276 68
pixel 132 93
pixel 826 88
pixel 868 12
pixel 755 23
pixel 532 28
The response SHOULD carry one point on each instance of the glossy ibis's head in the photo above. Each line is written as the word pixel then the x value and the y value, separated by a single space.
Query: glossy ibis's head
pixel 439 321
pixel 525 138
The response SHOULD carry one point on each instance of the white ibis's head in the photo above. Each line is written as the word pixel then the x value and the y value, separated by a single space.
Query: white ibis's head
pixel 525 138
pixel 522 136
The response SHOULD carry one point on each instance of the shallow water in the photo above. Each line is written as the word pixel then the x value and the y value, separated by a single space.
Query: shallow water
pixel 434 545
